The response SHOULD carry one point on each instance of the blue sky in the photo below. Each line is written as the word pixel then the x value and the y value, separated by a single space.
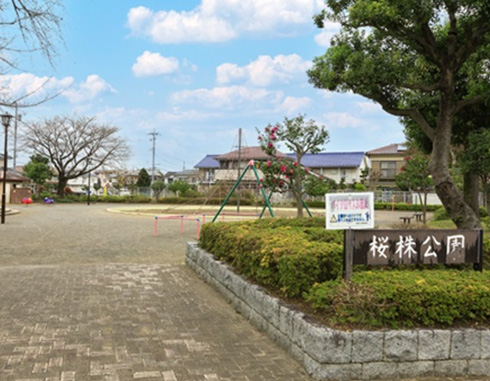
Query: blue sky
pixel 195 71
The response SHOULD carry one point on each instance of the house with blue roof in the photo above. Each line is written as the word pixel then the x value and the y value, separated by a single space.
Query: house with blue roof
pixel 207 170
pixel 333 165
pixel 336 165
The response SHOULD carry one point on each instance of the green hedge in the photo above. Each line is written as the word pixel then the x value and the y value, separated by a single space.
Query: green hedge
pixel 403 298
pixel 288 255
pixel 300 259
pixel 204 201
pixel 381 206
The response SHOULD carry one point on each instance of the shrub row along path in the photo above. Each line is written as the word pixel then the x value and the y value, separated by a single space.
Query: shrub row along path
pixel 91 295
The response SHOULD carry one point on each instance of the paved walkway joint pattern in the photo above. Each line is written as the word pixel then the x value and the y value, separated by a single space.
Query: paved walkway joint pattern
pixel 126 322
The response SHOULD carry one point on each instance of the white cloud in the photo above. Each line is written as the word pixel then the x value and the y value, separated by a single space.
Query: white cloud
pixel 293 105
pixel 173 27
pixel 88 90
pixel 233 97
pixel 369 107
pixel 223 20
pixel 17 86
pixel 329 30
pixel 342 120
pixel 265 70
pixel 152 64
pixel 229 72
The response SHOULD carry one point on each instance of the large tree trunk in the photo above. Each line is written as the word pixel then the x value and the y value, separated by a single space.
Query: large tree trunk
pixel 472 191
pixel 452 198
pixel 61 186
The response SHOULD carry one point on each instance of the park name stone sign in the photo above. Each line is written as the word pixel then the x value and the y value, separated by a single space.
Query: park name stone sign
pixel 329 354
pixel 377 247
pixel 423 246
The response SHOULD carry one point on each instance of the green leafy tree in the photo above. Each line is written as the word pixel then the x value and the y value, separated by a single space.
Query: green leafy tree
pixel 97 187
pixel 472 119
pixel 476 159
pixel 415 176
pixel 157 187
pixel 316 186
pixel 395 52
pixel 179 187
pixel 37 169
pixel 144 179
pixel 300 136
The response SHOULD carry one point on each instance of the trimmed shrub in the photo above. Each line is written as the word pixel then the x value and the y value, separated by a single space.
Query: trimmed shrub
pixel 402 298
pixel 298 258
pixel 288 255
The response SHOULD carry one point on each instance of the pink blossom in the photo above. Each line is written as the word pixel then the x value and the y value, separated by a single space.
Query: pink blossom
pixel 261 180
pixel 269 163
pixel 281 183
pixel 291 171
pixel 259 138
pixel 295 163
pixel 267 129
pixel 275 128
pixel 270 145
pixel 307 170
pixel 287 177
pixel 272 137
pixel 283 168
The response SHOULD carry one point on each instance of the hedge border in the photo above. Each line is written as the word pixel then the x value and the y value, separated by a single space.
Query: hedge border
pixel 328 354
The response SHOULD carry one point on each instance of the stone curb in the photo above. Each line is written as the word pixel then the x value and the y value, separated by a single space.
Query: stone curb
pixel 328 354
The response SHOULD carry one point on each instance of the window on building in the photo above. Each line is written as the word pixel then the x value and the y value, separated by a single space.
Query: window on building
pixel 388 169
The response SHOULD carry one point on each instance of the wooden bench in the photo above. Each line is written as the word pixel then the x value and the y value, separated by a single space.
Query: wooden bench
pixel 406 219
pixel 418 217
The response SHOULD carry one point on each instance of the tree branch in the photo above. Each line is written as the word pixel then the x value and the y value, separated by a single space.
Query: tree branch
pixel 467 102
pixel 412 113
pixel 420 86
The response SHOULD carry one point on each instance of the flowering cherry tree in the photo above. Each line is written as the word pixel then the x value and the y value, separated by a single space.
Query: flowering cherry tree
pixel 283 173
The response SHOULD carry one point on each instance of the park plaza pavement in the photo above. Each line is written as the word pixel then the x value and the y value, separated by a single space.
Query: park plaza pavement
pixel 91 295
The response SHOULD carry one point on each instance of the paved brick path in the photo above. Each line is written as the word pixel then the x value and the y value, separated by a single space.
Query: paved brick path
pixel 126 322
pixel 117 321
pixel 68 313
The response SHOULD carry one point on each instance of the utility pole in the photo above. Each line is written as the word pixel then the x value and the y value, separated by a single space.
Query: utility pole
pixel 17 118
pixel 153 139
pixel 239 171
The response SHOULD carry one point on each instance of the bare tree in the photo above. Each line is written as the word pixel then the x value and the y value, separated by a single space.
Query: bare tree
pixel 27 27
pixel 75 145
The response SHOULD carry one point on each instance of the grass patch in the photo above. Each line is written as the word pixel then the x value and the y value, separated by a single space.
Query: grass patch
pixel 441 224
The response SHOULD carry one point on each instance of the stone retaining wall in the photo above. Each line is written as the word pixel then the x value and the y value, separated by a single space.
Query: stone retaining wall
pixel 329 354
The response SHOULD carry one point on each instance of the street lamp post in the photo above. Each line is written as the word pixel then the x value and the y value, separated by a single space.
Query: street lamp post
pixel 6 122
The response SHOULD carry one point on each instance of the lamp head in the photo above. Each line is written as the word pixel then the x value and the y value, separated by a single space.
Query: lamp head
pixel 6 119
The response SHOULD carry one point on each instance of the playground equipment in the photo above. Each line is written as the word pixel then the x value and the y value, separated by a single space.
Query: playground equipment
pixel 251 165
pixel 182 218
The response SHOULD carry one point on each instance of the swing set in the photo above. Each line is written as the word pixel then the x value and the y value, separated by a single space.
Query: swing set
pixel 251 165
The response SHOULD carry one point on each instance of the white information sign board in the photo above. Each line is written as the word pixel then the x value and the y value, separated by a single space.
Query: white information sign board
pixel 350 210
